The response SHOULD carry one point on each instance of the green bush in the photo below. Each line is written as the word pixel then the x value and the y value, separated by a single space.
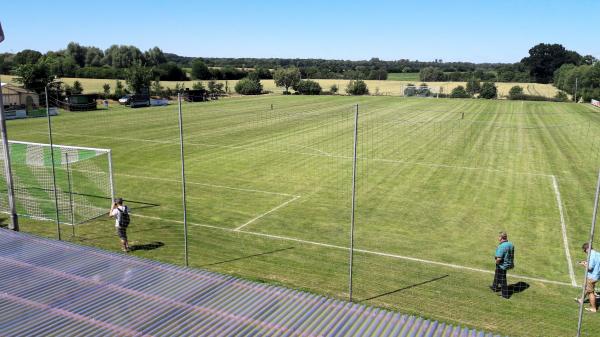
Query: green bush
pixel 246 86
pixel 515 91
pixel 459 92
pixel 488 90
pixel 308 87
pixel 358 87
pixel 333 89
pixel 561 96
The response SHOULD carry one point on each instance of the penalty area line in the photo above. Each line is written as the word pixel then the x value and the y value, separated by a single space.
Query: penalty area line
pixel 266 213
pixel 563 227
pixel 370 252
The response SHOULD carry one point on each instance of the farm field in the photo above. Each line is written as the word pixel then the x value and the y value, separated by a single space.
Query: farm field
pixel 269 191
pixel 388 88
pixel 403 77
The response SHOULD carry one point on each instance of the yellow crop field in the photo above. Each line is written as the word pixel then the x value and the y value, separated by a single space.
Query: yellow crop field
pixel 390 88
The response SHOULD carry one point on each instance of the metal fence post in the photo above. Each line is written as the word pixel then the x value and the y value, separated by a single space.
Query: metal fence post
pixel 185 229
pixel 580 318
pixel 53 168
pixel 14 220
pixel 353 201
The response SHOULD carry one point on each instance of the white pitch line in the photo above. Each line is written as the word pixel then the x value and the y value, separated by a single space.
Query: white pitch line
pixel 395 256
pixel 564 231
pixel 264 214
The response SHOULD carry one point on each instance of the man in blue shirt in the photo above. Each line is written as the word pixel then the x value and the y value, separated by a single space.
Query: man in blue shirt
pixel 593 274
pixel 504 257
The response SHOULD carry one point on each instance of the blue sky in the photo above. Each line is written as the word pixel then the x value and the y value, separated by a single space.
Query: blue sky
pixel 452 30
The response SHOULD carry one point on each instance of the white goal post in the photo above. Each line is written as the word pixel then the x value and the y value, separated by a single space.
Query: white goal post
pixel 84 182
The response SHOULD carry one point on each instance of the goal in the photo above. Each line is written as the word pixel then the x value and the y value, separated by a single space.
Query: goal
pixel 83 178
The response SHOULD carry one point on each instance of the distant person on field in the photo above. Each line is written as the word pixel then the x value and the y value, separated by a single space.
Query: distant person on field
pixel 593 274
pixel 105 102
pixel 121 213
pixel 504 258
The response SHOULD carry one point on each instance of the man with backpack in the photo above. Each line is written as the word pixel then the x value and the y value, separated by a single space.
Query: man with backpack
pixel 121 213
pixel 505 260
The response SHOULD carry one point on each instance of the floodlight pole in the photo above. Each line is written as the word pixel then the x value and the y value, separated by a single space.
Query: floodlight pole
pixel 594 214
pixel 53 168
pixel 351 264
pixel 185 227
pixel 14 219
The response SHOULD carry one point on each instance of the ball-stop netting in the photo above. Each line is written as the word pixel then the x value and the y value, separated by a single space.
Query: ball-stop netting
pixel 82 180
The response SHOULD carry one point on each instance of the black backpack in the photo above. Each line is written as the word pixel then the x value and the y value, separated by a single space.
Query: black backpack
pixel 124 218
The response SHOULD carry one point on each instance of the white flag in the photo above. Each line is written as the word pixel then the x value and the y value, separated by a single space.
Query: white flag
pixel 1 33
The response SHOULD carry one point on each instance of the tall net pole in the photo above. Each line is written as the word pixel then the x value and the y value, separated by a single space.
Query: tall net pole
pixel 71 205
pixel 185 229
pixel 353 201
pixel 580 319
pixel 53 168
pixel 14 220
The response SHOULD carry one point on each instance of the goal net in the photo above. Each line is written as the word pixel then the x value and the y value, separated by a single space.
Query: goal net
pixel 83 179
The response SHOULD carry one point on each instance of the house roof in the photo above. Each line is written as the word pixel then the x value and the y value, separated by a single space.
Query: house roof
pixel 9 87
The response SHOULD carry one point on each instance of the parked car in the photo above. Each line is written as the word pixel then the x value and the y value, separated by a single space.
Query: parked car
pixel 137 101
pixel 125 100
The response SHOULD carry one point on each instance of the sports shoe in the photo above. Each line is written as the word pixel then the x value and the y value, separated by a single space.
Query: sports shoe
pixel 494 289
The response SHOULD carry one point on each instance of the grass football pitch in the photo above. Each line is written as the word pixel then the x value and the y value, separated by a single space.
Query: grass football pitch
pixel 269 198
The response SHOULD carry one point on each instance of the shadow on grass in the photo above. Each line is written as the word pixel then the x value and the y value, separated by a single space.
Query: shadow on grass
pixel 110 234
pixel 147 246
pixel 248 257
pixel 516 288
pixel 404 288
pixel 3 224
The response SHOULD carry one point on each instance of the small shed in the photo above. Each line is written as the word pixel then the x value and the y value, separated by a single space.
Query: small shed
pixel 81 102
pixel 17 98
pixel 195 95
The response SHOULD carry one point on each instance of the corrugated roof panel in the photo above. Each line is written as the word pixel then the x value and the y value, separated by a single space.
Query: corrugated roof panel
pixel 55 288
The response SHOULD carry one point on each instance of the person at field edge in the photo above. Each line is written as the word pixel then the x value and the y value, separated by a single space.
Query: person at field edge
pixel 116 211
pixel 593 274
pixel 504 258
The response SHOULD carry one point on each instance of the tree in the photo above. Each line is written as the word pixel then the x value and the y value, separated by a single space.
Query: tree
pixel 515 92
pixel 33 76
pixel 247 86
pixel 308 87
pixel 170 72
pixel 155 57
pixel 431 74
pixel 157 89
pixel 358 87
pixel 473 86
pixel 200 70
pixel 215 88
pixel 286 77
pixel 488 90
pixel 77 53
pixel 459 92
pixel 119 92
pixel 333 89
pixel 544 59
pixel 27 56
pixel 93 57
pixel 198 86
pixel 106 89
pixel 138 78
pixel 77 88
pixel 122 56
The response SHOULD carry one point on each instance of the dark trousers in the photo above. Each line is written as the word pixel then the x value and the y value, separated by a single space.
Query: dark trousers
pixel 500 281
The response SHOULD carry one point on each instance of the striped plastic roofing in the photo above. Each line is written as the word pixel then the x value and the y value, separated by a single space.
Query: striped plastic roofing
pixel 53 288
